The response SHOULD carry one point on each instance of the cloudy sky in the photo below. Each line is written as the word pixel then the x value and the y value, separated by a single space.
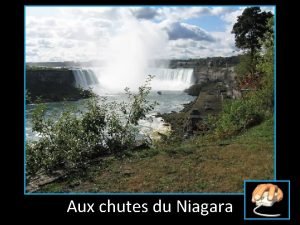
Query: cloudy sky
pixel 91 33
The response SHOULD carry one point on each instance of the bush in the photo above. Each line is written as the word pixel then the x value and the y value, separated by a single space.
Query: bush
pixel 236 116
pixel 255 106
pixel 76 136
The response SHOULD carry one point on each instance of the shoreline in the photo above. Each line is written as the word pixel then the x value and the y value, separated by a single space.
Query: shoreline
pixel 208 102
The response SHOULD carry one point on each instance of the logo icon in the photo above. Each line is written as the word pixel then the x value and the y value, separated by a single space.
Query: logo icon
pixel 266 200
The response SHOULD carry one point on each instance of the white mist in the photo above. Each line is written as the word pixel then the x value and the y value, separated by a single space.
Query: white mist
pixel 129 53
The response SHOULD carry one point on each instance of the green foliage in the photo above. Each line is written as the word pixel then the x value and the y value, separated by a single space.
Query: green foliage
pixel 266 68
pixel 247 72
pixel 245 66
pixel 236 116
pixel 250 27
pixel 139 105
pixel 255 106
pixel 76 137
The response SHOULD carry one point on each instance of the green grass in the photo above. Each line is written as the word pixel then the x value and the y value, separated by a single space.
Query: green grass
pixel 197 165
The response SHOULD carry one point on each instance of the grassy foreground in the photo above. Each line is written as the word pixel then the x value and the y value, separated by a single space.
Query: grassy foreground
pixel 198 165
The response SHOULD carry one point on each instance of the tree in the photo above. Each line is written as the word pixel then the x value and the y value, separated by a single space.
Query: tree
pixel 267 63
pixel 266 67
pixel 250 28
pixel 254 106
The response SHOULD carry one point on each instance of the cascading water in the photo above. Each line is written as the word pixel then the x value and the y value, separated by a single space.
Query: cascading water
pixel 84 78
pixel 171 79
pixel 164 79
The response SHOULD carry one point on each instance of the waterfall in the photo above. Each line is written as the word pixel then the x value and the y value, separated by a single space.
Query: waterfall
pixel 164 79
pixel 171 79
pixel 84 78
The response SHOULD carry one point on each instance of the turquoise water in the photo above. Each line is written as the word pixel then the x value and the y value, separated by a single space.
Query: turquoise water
pixel 168 101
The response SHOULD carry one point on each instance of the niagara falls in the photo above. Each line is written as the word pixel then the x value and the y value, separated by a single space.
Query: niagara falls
pixel 158 99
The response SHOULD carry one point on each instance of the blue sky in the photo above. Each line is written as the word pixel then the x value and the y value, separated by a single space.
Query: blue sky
pixel 209 23
pixel 87 33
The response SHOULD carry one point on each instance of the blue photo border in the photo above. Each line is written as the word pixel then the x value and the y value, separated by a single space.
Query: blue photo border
pixel 142 193
pixel 268 181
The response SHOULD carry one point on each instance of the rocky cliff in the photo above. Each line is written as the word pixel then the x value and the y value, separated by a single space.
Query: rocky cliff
pixel 52 85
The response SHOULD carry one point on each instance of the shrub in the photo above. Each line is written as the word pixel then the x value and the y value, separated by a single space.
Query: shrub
pixel 76 136
pixel 236 116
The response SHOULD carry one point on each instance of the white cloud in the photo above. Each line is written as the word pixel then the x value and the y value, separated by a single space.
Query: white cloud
pixel 187 31
pixel 145 13
pixel 38 34
pixel 66 33
pixel 43 43
pixel 67 44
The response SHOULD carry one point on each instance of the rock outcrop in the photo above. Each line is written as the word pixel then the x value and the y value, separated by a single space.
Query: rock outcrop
pixel 50 85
